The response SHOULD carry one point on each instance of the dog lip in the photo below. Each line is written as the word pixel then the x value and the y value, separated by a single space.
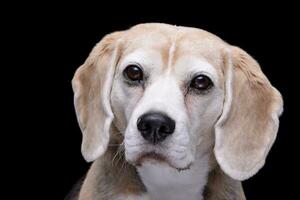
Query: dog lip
pixel 151 155
pixel 159 158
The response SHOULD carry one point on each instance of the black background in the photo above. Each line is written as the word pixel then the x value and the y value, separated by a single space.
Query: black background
pixel 50 42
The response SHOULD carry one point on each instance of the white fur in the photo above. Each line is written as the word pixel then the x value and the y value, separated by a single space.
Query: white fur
pixel 175 148
pixel 164 182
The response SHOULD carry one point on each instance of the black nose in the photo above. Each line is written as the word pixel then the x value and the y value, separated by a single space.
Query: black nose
pixel 155 127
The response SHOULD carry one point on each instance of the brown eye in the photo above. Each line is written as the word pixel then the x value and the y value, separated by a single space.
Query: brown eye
pixel 201 82
pixel 133 73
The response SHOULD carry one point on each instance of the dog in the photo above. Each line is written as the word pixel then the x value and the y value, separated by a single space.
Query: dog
pixel 170 112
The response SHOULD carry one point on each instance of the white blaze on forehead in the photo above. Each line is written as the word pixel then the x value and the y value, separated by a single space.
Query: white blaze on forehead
pixel 171 55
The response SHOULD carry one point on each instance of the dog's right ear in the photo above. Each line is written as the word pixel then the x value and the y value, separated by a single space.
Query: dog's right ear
pixel 92 84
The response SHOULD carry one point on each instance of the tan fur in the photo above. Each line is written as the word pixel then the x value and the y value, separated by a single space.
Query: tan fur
pixel 220 186
pixel 251 126
pixel 245 131
pixel 110 175
pixel 87 85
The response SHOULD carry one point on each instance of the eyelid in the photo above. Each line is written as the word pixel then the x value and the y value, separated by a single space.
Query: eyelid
pixel 124 65
pixel 210 76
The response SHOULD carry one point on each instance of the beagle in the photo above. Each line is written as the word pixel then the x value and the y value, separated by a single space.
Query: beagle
pixel 170 113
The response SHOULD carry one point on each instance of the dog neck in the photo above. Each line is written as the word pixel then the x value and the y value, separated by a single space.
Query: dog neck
pixel 163 182
pixel 154 181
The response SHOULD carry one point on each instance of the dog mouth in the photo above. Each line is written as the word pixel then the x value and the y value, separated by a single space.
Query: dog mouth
pixel 157 158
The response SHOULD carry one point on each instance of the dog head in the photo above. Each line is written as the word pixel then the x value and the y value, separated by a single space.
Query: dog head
pixel 176 93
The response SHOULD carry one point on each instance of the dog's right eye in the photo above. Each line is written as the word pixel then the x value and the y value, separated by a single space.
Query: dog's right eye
pixel 133 73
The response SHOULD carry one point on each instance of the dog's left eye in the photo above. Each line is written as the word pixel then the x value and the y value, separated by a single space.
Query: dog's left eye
pixel 201 82
pixel 133 73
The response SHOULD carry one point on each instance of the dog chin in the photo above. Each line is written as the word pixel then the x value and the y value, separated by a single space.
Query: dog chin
pixel 155 158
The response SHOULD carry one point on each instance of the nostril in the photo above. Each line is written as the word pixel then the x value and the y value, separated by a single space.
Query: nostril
pixel 142 125
pixel 164 129
pixel 155 127
pixel 167 126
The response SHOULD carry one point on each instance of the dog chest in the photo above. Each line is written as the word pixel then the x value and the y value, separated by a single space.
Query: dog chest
pixel 164 182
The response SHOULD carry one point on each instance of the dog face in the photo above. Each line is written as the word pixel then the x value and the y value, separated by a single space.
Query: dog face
pixel 176 93
pixel 182 87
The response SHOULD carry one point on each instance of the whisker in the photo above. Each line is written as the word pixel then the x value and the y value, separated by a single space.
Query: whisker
pixel 118 154
pixel 123 167
pixel 115 156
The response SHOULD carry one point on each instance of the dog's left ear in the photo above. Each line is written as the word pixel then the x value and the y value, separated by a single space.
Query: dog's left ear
pixel 248 125
pixel 92 85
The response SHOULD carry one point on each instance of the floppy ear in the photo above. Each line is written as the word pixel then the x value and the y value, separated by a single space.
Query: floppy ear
pixel 92 84
pixel 248 125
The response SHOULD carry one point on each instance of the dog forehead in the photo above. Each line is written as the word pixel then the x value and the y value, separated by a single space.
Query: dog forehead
pixel 175 42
